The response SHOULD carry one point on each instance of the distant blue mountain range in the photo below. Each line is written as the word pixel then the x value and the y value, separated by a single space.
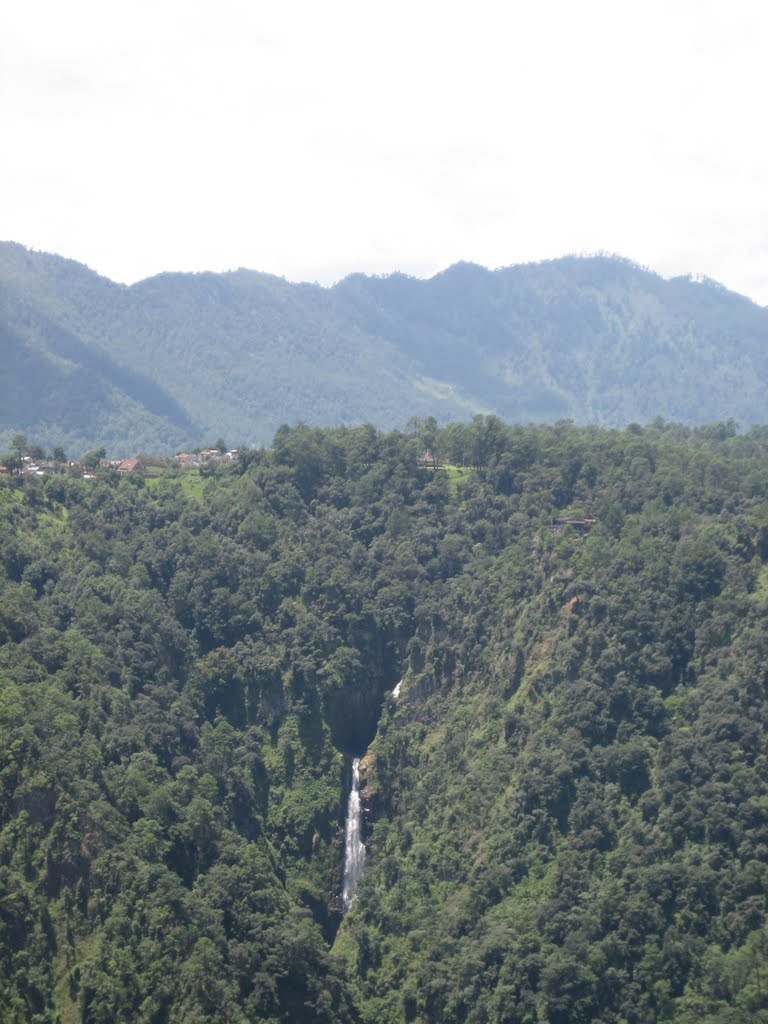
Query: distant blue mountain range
pixel 180 359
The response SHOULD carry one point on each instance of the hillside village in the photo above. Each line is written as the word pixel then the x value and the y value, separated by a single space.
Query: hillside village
pixel 92 464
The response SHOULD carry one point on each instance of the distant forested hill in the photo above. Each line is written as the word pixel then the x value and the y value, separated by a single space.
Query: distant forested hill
pixel 566 806
pixel 179 359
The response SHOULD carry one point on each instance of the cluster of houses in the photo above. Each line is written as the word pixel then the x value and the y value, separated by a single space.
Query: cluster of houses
pixel 184 460
pixel 142 464
pixel 194 460
pixel 38 467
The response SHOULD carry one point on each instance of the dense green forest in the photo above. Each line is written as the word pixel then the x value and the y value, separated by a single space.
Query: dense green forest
pixel 566 807
pixel 178 359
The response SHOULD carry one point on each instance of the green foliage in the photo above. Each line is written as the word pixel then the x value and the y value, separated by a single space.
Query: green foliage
pixel 91 363
pixel 90 459
pixel 566 806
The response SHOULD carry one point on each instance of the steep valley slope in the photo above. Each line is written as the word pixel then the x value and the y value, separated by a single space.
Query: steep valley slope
pixel 565 806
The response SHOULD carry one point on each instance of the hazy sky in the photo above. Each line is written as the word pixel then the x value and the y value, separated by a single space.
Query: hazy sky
pixel 312 139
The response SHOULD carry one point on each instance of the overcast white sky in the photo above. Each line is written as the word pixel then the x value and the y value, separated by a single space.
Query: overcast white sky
pixel 312 139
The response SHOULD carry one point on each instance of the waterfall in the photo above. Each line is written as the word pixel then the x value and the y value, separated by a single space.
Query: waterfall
pixel 354 848
pixel 396 691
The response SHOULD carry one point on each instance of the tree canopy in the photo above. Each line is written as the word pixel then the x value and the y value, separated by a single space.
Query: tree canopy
pixel 566 805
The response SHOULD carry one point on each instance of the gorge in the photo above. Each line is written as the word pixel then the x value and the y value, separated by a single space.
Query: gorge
pixel 561 733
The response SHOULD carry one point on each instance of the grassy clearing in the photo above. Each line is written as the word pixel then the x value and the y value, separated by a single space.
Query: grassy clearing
pixel 190 482
pixel 455 474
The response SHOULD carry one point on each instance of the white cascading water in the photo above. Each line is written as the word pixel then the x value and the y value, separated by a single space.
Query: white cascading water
pixel 354 848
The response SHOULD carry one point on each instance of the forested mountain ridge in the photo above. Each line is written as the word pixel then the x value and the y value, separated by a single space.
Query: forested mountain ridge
pixel 567 805
pixel 178 359
pixel 58 376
